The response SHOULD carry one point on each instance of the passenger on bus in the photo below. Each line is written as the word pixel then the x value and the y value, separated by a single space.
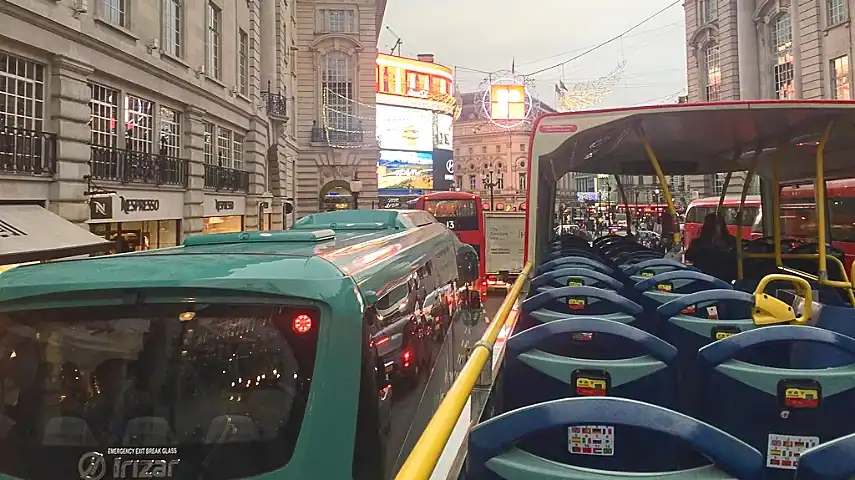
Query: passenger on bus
pixel 713 251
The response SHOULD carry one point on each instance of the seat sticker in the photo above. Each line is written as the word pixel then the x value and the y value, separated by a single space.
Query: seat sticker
pixel 783 451
pixel 598 440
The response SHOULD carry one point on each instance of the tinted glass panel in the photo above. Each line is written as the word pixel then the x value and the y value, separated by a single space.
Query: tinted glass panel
pixel 226 388
pixel 458 215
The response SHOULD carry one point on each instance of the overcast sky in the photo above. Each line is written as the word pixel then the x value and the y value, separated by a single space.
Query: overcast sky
pixel 487 34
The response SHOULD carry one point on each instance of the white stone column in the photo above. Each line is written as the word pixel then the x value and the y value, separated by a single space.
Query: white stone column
pixel 69 114
pixel 268 44
pixel 749 64
pixel 194 150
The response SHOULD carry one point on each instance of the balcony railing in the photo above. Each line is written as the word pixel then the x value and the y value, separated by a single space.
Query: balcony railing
pixel 335 137
pixel 222 178
pixel 27 152
pixel 276 104
pixel 127 166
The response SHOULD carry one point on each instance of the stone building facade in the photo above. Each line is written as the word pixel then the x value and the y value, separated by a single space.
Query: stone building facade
pixel 767 49
pixel 172 113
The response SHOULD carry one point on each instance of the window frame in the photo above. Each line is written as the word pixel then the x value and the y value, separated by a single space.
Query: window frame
pixel 712 74
pixel 837 12
pixel 836 73
pixel 243 62
pixel 339 110
pixel 213 40
pixel 115 12
pixel 36 82
pixel 172 38
pixel 783 66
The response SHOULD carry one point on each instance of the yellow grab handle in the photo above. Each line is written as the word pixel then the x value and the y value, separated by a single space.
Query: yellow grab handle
pixel 769 310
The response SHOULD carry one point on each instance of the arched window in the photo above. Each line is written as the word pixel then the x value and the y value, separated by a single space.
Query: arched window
pixel 782 54
pixel 712 72
pixel 337 88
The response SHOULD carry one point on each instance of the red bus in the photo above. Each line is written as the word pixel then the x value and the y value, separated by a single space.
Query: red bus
pixel 464 214
pixel 700 208
pixel 798 215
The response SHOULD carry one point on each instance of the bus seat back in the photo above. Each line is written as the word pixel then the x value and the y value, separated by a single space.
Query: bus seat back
pixel 829 461
pixel 779 411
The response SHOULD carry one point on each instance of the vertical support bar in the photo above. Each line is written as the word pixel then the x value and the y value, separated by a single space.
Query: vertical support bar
pixel 740 268
pixel 651 155
pixel 723 191
pixel 622 194
pixel 776 207
pixel 820 202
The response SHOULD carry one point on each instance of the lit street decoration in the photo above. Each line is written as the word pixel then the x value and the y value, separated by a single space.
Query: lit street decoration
pixel 584 95
pixel 507 100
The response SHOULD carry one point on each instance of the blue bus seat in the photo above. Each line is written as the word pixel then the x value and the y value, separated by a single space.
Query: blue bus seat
pixel 829 461
pixel 771 408
pixel 573 261
pixel 564 302
pixel 695 320
pixel 640 271
pixel 537 443
pixel 572 252
pixel 638 256
pixel 576 277
pixel 838 319
pixel 619 360
pixel 664 287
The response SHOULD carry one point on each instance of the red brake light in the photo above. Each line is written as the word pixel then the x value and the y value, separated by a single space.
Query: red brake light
pixel 302 323
pixel 407 356
pixel 382 341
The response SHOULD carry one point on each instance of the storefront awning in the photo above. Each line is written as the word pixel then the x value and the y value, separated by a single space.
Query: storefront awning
pixel 30 233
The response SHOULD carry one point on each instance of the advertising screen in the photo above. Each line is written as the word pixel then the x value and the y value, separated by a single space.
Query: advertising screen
pixel 406 170
pixel 443 131
pixel 443 170
pixel 400 128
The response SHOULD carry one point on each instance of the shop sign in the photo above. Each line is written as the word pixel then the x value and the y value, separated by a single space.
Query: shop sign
pixel 223 205
pixel 131 206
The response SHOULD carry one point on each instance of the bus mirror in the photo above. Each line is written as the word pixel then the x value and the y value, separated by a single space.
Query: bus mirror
pixel 370 297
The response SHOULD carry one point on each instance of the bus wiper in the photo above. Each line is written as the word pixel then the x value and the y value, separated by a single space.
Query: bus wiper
pixel 228 429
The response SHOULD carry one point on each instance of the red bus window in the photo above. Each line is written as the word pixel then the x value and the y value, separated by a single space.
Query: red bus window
pixel 463 213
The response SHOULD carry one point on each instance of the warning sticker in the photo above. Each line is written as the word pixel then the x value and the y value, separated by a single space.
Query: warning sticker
pixel 591 387
pixel 689 310
pixel 576 303
pixel 784 451
pixel 665 287
pixel 575 282
pixel 712 312
pixel 647 274
pixel 591 440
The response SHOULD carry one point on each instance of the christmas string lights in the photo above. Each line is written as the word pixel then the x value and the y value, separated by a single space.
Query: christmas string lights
pixel 587 94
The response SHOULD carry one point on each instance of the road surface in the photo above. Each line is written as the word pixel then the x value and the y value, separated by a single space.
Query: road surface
pixel 412 410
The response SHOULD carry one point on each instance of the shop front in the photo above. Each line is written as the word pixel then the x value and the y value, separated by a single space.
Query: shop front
pixel 223 213
pixel 137 220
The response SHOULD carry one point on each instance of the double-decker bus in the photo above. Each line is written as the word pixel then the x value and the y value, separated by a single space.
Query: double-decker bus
pixel 462 213
pixel 700 208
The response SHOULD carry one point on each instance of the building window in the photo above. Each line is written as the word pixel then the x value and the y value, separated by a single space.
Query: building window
pixel 483 148
pixel 237 152
pixel 498 149
pixel 103 121
pixel 224 147
pixel 212 41
pixel 522 182
pixel 708 10
pixel 473 185
pixel 337 21
pixel 836 12
pixel 337 79
pixel 243 63
pixel 209 144
pixel 522 147
pixel 170 132
pixel 172 27
pixel 138 124
pixel 712 72
pixel 115 11
pixel 459 181
pixel 840 89
pixel 22 93
pixel 471 150
pixel 782 51
pixel 500 181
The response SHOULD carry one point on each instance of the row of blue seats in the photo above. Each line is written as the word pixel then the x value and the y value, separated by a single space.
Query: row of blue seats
pixel 601 336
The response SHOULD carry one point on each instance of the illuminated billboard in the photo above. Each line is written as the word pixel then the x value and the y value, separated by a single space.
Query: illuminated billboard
pixel 405 170
pixel 401 128
pixel 443 130
pixel 412 83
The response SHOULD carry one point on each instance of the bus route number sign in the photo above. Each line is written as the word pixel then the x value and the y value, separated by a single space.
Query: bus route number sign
pixel 450 224
pixel 591 383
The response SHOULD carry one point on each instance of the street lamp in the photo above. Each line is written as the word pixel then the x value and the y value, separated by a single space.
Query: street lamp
pixel 355 188
pixel 487 180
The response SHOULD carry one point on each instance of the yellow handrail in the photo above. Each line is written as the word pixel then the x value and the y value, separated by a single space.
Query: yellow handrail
pixel 663 182
pixel 425 454
pixel 820 203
